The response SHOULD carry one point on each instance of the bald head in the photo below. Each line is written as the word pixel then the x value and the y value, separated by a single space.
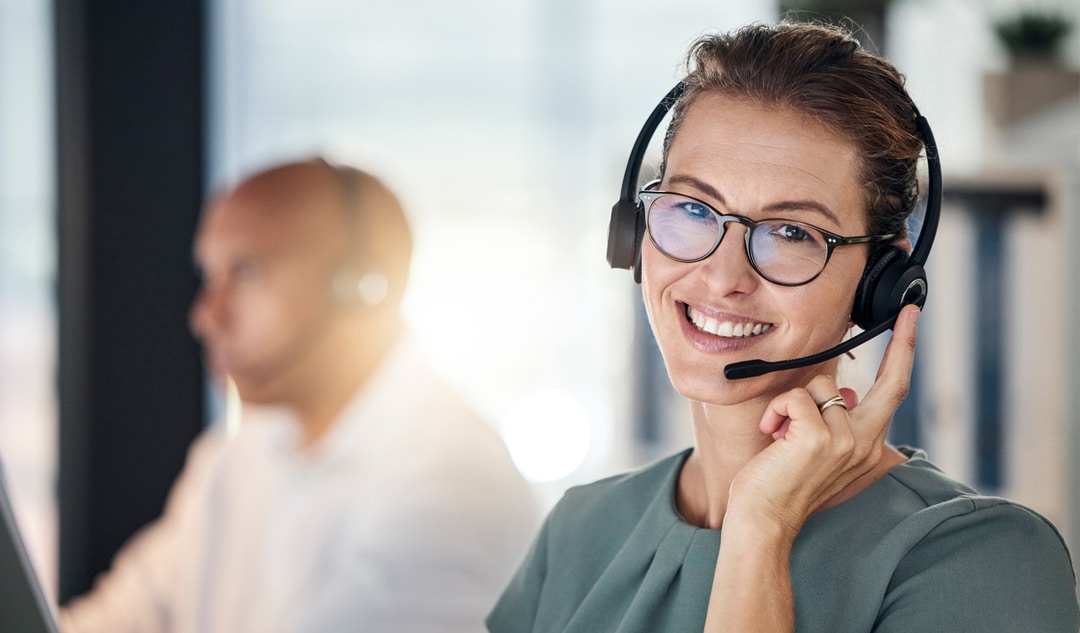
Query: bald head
pixel 380 237
pixel 271 251
pixel 363 226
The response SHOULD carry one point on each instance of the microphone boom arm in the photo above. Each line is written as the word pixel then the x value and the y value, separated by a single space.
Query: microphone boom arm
pixel 758 367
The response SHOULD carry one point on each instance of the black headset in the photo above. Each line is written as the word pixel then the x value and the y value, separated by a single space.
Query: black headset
pixel 891 279
pixel 354 281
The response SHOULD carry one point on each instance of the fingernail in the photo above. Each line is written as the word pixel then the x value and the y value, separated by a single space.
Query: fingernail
pixel 914 316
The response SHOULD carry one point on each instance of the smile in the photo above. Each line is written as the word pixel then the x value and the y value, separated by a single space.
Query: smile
pixel 726 329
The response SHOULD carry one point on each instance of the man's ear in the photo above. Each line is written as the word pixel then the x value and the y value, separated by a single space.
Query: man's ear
pixel 904 243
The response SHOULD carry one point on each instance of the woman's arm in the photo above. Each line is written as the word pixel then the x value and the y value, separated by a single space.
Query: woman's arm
pixel 752 585
pixel 816 458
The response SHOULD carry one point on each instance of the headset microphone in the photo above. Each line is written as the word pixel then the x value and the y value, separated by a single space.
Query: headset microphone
pixel 890 280
pixel 758 367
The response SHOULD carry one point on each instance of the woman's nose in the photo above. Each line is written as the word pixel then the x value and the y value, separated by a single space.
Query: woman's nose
pixel 728 268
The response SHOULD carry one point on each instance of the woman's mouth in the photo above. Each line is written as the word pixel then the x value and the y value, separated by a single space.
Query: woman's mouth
pixel 725 328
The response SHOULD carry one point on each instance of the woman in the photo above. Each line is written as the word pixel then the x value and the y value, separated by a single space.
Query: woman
pixel 789 513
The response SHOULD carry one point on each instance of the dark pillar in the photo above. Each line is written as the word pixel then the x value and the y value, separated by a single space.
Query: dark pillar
pixel 130 175
pixel 991 207
pixel 989 349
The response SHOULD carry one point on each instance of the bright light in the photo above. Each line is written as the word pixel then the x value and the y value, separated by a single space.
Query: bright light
pixel 233 408
pixel 547 433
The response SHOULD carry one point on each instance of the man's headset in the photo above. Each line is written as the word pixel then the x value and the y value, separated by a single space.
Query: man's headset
pixel 351 285
pixel 891 279
pixel 353 281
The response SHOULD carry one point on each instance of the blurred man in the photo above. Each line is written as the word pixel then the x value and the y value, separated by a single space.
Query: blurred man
pixel 358 493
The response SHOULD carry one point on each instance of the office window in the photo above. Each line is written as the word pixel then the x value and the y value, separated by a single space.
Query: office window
pixel 505 127
pixel 27 269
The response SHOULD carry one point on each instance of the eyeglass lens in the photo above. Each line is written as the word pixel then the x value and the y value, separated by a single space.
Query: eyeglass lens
pixel 782 251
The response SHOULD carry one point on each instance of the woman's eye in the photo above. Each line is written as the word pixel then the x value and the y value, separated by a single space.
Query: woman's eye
pixel 792 232
pixel 694 209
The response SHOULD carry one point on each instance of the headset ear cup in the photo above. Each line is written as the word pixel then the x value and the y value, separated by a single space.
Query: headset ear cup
pixel 624 235
pixel 872 295
pixel 350 287
pixel 639 229
pixel 889 283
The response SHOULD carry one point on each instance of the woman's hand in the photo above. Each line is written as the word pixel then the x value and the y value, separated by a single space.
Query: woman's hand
pixel 818 453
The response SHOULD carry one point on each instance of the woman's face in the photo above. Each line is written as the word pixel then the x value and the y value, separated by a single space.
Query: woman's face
pixel 745 159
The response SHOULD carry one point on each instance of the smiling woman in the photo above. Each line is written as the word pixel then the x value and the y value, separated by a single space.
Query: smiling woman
pixel 789 512
pixel 758 162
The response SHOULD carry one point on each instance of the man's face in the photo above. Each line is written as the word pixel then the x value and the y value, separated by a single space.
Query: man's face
pixel 266 253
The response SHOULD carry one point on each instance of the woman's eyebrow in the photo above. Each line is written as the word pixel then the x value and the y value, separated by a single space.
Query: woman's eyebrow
pixel 700 185
pixel 784 205
pixel 804 205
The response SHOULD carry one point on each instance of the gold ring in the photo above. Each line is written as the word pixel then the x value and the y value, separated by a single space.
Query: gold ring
pixel 837 400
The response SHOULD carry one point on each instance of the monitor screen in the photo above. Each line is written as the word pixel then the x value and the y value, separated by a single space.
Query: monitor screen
pixel 23 607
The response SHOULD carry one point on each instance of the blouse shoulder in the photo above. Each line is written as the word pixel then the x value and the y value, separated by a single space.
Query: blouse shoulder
pixel 621 498
pixel 935 499
pixel 1002 565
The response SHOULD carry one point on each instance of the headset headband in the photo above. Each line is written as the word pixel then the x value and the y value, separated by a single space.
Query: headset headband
pixel 628 194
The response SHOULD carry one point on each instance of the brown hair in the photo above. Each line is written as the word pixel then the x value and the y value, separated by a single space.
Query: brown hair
pixel 824 73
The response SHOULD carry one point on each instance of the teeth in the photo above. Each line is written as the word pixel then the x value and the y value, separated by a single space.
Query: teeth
pixel 727 329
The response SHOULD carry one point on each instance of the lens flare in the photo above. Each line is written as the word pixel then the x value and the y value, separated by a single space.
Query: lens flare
pixel 547 433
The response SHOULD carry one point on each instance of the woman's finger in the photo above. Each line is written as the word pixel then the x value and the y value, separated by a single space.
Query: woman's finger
pixel 793 404
pixel 893 380
pixel 831 404
pixel 850 397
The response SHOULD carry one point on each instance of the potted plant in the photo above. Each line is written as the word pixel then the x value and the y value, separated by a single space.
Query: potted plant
pixel 1037 77
pixel 1033 35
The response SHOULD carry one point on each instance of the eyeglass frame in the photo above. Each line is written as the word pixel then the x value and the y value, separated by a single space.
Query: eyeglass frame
pixel 648 196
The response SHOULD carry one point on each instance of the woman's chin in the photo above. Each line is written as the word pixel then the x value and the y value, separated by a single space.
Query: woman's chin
pixel 716 390
pixel 712 387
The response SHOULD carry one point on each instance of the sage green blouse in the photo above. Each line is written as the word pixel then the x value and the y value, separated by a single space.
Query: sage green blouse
pixel 915 551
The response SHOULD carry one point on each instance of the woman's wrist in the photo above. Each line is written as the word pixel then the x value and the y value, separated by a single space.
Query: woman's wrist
pixel 762 527
pixel 752 583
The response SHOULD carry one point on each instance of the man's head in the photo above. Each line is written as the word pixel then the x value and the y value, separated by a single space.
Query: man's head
pixel 304 267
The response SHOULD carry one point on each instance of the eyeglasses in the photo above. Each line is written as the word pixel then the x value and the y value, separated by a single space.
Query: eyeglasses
pixel 783 252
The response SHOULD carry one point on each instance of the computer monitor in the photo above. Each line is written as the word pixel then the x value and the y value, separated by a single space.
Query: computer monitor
pixel 23 607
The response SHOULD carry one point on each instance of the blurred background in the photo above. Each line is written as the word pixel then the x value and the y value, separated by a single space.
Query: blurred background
pixel 505 126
